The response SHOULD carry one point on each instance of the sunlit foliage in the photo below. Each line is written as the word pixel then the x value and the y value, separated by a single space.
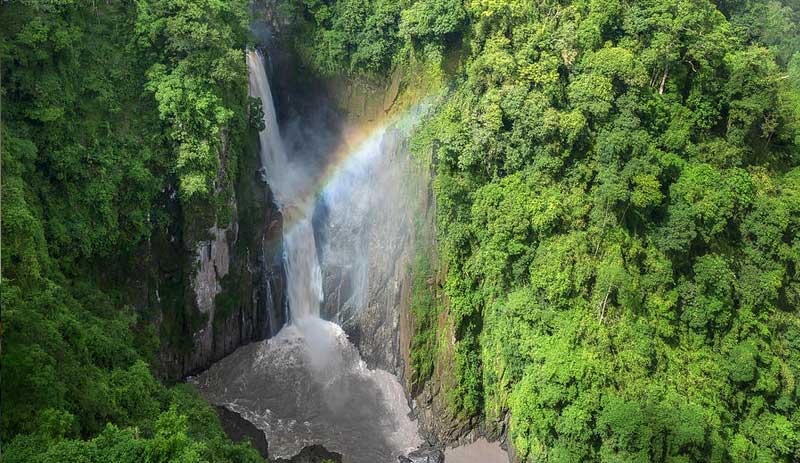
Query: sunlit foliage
pixel 618 213
pixel 617 201
pixel 88 89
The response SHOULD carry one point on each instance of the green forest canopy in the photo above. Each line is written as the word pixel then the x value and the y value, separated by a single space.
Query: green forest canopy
pixel 618 203
pixel 618 208
pixel 102 118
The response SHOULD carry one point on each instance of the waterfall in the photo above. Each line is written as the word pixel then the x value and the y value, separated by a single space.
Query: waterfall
pixel 290 184
pixel 308 385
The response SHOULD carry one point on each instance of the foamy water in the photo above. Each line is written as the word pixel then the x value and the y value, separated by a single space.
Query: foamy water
pixel 340 404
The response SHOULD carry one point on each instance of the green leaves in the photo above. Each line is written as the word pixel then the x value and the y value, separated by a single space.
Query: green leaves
pixel 506 223
pixel 89 172
pixel 432 19
pixel 198 80
pixel 351 37
pixel 174 439
pixel 751 91
pixel 742 363
pixel 703 203
pixel 84 159
pixel 618 206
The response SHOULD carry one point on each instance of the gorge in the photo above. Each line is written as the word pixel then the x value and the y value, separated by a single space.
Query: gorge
pixel 400 231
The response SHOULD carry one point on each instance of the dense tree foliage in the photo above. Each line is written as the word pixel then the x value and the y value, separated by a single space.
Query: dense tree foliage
pixel 187 431
pixel 618 193
pixel 368 37
pixel 102 104
pixel 618 215
pixel 197 77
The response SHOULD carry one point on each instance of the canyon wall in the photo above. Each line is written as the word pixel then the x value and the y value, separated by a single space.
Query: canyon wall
pixel 211 287
pixel 236 278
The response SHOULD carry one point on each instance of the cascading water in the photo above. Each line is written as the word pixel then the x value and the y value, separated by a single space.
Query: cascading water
pixel 308 384
pixel 290 184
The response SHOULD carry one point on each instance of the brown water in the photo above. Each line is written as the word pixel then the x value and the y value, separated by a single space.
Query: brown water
pixel 480 451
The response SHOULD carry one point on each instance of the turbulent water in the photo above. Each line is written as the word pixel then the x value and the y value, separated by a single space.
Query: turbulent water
pixel 308 385
pixel 339 403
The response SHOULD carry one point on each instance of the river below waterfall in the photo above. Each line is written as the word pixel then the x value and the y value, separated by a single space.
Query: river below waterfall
pixel 341 405
pixel 308 384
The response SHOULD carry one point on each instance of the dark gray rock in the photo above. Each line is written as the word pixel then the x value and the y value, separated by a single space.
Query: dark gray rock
pixel 313 454
pixel 239 429
pixel 222 288
pixel 426 455
pixel 367 248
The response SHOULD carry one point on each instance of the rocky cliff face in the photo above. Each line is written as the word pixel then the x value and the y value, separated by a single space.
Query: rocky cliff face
pixel 369 298
pixel 366 254
pixel 238 287
pixel 372 300
pixel 221 287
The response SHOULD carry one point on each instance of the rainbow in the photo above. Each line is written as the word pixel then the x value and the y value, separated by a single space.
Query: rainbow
pixel 355 150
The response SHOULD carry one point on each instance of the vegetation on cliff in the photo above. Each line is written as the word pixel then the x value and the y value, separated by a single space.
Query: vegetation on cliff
pixel 618 201
pixel 108 108
pixel 618 194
